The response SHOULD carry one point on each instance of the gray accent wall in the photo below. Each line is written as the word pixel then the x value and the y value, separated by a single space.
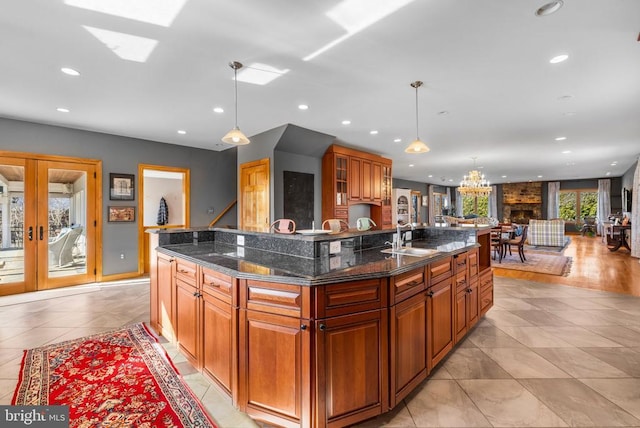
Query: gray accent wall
pixel 297 163
pixel 213 176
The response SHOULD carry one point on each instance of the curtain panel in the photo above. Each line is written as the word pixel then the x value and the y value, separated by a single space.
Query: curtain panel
pixel 432 210
pixel 635 213
pixel 553 204
pixel 493 202
pixel 604 203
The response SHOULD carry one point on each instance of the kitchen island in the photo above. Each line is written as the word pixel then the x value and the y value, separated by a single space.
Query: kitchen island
pixel 323 330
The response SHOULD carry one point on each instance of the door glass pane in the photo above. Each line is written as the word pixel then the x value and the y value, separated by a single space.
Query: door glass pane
pixel 67 219
pixel 11 224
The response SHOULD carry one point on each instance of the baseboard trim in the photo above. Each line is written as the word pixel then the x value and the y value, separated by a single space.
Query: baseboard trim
pixel 120 276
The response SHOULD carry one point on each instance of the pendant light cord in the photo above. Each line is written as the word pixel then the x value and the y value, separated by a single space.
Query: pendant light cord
pixel 417 131
pixel 235 80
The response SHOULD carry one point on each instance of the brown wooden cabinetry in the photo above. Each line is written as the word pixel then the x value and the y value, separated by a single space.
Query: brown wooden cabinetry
pixel 467 296
pixel 440 312
pixel 486 292
pixel 353 177
pixel 165 268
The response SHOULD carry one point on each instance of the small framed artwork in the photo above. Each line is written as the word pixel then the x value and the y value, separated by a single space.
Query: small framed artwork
pixel 121 187
pixel 425 200
pixel 122 214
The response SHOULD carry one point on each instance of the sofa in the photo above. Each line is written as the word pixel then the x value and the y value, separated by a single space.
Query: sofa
pixel 548 233
pixel 470 221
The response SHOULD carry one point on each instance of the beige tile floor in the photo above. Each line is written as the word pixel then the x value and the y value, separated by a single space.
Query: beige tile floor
pixel 545 355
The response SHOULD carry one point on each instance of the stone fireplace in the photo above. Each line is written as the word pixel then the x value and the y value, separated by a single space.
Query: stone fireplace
pixel 521 202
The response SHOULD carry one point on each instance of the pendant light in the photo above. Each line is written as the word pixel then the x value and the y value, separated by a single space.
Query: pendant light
pixel 235 136
pixel 417 146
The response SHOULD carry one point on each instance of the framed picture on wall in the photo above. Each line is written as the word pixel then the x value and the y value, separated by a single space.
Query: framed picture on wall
pixel 122 214
pixel 121 187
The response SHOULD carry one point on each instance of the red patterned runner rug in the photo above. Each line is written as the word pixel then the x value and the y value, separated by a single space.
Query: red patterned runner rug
pixel 121 378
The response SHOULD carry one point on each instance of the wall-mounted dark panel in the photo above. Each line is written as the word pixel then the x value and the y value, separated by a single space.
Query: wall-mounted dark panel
pixel 298 198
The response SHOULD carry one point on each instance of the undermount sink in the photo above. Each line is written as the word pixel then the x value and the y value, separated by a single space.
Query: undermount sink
pixel 411 251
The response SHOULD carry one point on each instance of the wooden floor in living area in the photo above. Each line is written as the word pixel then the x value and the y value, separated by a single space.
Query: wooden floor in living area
pixel 593 266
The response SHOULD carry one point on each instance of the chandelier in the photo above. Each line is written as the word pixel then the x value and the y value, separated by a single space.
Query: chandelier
pixel 474 184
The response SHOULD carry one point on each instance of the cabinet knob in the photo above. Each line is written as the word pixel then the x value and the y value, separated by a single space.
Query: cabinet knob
pixel 469 290
pixel 430 293
pixel 323 327
pixel 303 327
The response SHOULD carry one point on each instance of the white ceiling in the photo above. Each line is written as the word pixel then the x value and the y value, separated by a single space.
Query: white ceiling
pixel 485 62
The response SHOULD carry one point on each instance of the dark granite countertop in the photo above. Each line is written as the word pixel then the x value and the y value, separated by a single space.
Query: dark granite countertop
pixel 348 265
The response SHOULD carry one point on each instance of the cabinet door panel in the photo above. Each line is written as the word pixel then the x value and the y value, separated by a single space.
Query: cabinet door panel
pixel 461 315
pixel 166 290
pixel 355 179
pixel 275 380
pixel 367 194
pixel 376 181
pixel 218 341
pixel 187 302
pixel 473 303
pixel 408 346
pixel 351 366
pixel 440 321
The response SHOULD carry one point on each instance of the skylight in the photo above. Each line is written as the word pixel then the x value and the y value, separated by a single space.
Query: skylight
pixel 356 15
pixel 260 74
pixel 158 12
pixel 126 46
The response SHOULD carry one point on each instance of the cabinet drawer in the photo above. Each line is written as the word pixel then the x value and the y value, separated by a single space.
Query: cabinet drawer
pixel 350 297
pixel 407 284
pixel 439 270
pixel 461 262
pixel 486 281
pixel 218 285
pixel 275 298
pixel 187 271
pixel 462 282
pixel 342 213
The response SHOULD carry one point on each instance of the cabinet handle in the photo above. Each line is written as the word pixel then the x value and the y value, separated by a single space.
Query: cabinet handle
pixel 469 290
pixel 303 327
pixel 413 283
pixel 41 233
pixel 430 293
pixel 212 284
pixel 195 294
pixel 30 233
pixel 323 327
pixel 183 271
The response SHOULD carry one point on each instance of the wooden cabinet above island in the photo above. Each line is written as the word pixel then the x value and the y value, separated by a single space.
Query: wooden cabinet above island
pixel 324 340
pixel 350 177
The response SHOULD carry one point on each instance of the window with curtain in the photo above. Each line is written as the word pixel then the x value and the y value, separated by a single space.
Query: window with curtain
pixel 578 204
pixel 481 208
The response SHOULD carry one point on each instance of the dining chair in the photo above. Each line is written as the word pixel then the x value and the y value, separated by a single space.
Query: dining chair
pixel 365 223
pixel 283 225
pixel 518 241
pixel 496 242
pixel 335 225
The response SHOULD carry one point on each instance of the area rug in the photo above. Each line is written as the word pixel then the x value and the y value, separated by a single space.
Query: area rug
pixel 122 378
pixel 539 263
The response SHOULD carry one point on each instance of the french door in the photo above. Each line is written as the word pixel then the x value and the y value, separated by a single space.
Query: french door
pixel 48 223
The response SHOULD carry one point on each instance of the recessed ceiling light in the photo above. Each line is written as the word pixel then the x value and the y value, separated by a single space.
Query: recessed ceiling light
pixel 565 97
pixel 608 173
pixel 451 179
pixel 397 140
pixel 181 131
pixel 539 176
pixel 504 176
pixel 218 110
pixel 559 58
pixel 411 165
pixel 63 110
pixel 303 107
pixel 614 164
pixel 561 138
pixel 430 175
pixel 373 132
pixel 346 122
pixel 549 8
pixel 70 71
pixel 566 152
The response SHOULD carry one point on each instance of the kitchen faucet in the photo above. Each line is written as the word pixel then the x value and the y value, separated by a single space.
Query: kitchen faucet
pixel 399 240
